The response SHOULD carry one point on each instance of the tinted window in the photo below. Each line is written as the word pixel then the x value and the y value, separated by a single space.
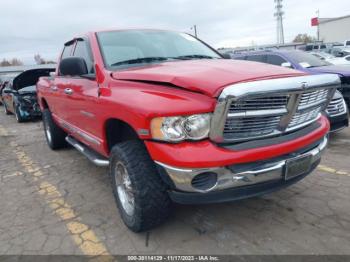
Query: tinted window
pixel 347 43
pixel 306 60
pixel 308 48
pixel 240 58
pixel 67 51
pixel 275 60
pixel 119 47
pixel 257 58
pixel 81 50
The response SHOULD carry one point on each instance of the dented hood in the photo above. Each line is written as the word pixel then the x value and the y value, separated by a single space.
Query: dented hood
pixel 207 76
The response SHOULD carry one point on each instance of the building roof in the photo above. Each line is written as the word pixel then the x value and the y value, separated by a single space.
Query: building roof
pixel 327 20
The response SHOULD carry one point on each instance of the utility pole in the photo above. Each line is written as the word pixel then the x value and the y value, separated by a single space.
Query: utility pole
pixel 279 18
pixel 195 30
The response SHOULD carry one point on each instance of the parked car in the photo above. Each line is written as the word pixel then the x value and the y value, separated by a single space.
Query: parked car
pixel 310 64
pixel 4 81
pixel 175 122
pixel 19 95
pixel 332 59
pixel 337 112
pixel 340 51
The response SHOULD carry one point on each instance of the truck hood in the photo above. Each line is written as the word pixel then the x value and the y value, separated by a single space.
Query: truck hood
pixel 343 70
pixel 27 90
pixel 207 76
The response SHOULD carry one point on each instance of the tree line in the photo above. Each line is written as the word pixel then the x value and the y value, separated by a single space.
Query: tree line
pixel 39 60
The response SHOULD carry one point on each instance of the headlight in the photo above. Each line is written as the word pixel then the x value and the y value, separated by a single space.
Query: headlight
pixel 179 128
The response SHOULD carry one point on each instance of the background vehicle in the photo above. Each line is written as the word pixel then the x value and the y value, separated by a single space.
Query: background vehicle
pixel 19 95
pixel 340 51
pixel 332 59
pixel 5 80
pixel 337 112
pixel 157 107
pixel 310 64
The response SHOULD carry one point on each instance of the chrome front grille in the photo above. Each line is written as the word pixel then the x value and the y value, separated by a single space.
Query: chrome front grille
pixel 270 102
pixel 336 107
pixel 313 97
pixel 241 128
pixel 267 108
pixel 304 117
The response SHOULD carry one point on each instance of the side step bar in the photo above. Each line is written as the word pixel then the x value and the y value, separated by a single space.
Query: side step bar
pixel 93 156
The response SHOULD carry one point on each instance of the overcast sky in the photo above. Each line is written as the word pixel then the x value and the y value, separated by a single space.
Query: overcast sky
pixel 29 27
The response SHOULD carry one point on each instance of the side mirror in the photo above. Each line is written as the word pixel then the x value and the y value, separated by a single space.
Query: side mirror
pixel 226 56
pixel 52 74
pixel 73 66
pixel 287 65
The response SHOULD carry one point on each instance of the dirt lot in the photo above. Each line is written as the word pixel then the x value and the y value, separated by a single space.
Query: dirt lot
pixel 60 203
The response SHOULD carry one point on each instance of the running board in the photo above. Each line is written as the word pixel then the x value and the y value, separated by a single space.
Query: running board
pixel 93 156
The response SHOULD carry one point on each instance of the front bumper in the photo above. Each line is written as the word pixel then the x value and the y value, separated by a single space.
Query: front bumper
pixel 237 181
pixel 29 111
pixel 339 122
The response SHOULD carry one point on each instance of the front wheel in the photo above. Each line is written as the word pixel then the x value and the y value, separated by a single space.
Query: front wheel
pixel 140 194
pixel 55 136
pixel 18 114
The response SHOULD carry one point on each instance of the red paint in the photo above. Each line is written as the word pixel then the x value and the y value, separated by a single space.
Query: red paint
pixel 206 154
pixel 183 88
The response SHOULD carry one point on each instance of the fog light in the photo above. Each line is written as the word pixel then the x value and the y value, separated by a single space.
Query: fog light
pixel 205 181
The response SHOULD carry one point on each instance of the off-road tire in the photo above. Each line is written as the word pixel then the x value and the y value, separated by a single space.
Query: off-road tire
pixel 57 137
pixel 17 113
pixel 152 204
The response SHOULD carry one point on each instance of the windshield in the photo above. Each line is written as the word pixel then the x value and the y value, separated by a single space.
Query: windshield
pixel 307 60
pixel 135 47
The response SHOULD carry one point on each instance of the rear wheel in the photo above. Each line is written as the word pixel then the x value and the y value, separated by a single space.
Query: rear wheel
pixel 140 194
pixel 55 136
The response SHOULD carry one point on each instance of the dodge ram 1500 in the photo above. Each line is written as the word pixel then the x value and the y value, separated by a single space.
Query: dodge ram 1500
pixel 176 122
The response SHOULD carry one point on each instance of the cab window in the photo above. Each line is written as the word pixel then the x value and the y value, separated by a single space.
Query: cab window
pixel 67 51
pixel 257 58
pixel 82 50
pixel 275 60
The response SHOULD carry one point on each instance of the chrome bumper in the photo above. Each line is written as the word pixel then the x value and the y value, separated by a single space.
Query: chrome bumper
pixel 182 177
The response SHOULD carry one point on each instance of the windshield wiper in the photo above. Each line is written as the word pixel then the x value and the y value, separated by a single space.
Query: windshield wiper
pixel 140 60
pixel 195 57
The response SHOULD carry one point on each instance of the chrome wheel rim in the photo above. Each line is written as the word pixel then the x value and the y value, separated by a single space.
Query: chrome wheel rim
pixel 48 133
pixel 124 188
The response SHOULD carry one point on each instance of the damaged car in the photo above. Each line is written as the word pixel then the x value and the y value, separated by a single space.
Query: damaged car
pixel 19 96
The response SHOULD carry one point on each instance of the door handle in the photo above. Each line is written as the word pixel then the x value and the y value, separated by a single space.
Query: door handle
pixel 68 91
pixel 54 88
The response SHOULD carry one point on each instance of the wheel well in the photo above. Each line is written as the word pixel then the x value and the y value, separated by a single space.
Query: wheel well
pixel 118 131
pixel 44 103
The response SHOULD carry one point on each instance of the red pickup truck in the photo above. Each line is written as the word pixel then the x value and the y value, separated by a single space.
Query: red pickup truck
pixel 176 122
